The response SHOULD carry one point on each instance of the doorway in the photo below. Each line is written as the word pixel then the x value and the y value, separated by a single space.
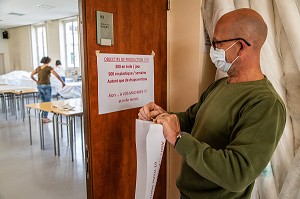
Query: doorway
pixel 140 27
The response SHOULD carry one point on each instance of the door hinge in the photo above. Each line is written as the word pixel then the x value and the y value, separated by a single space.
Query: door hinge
pixel 168 4
pixel 87 169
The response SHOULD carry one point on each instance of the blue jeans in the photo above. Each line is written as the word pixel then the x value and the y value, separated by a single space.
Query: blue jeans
pixel 45 94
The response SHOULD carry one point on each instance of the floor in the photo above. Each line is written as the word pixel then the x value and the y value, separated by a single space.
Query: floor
pixel 27 172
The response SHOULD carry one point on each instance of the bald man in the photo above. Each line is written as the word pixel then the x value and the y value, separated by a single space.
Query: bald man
pixel 229 136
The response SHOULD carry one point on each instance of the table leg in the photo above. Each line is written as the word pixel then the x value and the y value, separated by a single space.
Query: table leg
pixel 57 134
pixel 68 129
pixel 54 141
pixel 41 130
pixel 74 127
pixel 34 96
pixel 14 105
pixel 61 127
pixel 5 105
pixel 71 136
pixel 23 107
pixel 29 119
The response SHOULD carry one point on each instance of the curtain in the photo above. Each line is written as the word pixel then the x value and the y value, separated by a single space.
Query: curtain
pixel 280 62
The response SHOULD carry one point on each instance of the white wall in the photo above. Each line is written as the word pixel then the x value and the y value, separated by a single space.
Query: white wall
pixel 190 70
pixel 53 40
pixel 5 50
pixel 20 48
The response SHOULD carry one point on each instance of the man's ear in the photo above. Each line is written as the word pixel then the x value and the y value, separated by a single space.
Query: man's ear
pixel 242 47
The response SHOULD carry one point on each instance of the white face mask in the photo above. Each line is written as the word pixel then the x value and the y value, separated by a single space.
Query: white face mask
pixel 218 57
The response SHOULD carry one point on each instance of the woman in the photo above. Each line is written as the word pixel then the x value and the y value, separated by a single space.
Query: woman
pixel 59 70
pixel 43 83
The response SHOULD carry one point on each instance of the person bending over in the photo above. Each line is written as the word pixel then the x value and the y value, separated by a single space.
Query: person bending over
pixel 43 83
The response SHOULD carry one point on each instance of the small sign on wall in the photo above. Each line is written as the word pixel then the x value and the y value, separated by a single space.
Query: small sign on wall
pixel 105 30
pixel 124 81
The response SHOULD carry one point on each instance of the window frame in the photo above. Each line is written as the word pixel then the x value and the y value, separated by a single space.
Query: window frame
pixel 75 64
pixel 44 42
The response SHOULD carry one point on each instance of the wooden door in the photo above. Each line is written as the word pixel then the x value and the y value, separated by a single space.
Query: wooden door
pixel 139 27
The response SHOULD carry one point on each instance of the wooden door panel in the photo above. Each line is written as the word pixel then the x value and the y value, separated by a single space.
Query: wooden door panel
pixel 139 28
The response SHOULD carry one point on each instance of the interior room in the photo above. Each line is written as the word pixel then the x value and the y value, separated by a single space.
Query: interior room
pixel 82 151
pixel 31 30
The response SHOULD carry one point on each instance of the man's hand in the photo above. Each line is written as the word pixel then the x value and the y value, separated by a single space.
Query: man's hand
pixel 171 126
pixel 150 111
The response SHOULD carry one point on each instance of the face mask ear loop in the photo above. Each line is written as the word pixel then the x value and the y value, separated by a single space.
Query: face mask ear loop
pixel 231 46
pixel 235 59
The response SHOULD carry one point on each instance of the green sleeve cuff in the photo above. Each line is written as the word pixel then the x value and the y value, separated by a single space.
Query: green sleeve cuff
pixel 183 145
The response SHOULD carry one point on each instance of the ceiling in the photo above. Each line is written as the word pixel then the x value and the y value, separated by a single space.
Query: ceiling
pixel 15 13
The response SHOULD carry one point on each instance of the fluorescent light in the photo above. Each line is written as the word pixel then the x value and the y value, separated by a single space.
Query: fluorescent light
pixel 45 6
pixel 16 14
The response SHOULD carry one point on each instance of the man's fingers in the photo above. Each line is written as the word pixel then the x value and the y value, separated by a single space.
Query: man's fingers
pixel 154 114
pixel 160 117
pixel 142 115
pixel 145 112
pixel 150 111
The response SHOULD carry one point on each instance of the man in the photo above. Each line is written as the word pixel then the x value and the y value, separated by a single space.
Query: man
pixel 229 136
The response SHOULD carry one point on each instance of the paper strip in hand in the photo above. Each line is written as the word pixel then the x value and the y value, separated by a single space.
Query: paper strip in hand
pixel 150 144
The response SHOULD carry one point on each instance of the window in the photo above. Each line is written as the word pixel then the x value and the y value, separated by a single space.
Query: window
pixel 41 42
pixel 72 43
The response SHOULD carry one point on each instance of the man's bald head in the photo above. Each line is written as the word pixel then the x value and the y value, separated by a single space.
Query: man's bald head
pixel 243 23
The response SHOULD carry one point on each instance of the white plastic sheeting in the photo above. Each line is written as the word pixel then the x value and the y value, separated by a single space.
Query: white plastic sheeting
pixel 280 62
pixel 18 78
pixel 22 78
pixel 71 90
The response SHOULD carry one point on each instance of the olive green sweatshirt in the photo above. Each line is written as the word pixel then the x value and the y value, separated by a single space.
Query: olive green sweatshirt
pixel 228 139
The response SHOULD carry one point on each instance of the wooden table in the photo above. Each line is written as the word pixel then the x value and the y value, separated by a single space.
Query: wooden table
pixel 21 93
pixel 55 108
pixel 15 91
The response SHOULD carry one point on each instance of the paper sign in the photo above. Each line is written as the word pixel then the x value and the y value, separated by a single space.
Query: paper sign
pixel 124 81
pixel 150 144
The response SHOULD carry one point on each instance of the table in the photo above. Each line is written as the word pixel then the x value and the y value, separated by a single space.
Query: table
pixel 55 108
pixel 13 92
pixel 21 93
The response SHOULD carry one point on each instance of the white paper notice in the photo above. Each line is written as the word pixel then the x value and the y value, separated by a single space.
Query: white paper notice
pixel 150 144
pixel 124 81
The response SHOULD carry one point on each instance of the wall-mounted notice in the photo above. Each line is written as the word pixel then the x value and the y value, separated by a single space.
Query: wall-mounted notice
pixel 124 81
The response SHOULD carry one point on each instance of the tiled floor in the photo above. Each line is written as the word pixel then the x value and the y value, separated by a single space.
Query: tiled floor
pixel 27 172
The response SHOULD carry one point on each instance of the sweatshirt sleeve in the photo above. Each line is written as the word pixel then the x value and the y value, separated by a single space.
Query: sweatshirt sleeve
pixel 253 141
pixel 187 118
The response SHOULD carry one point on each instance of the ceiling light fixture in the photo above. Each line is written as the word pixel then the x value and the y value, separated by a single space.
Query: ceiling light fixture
pixel 16 14
pixel 45 6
